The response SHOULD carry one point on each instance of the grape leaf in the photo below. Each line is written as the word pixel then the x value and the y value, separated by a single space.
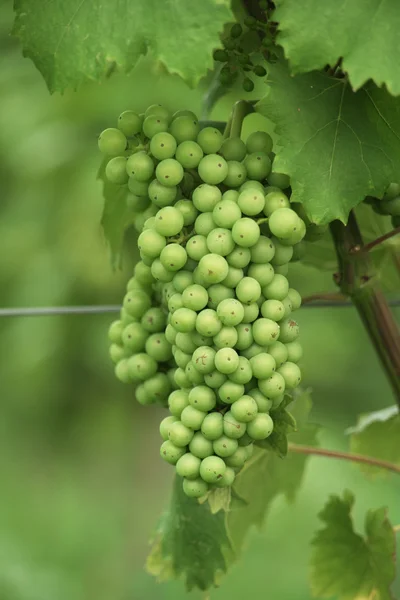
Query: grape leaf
pixel 266 476
pixel 284 423
pixel 80 40
pixel 191 543
pixel 116 217
pixel 364 33
pixel 347 565
pixel 337 146
pixel 377 435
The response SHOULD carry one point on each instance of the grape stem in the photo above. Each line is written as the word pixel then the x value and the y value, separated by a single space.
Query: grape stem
pixel 379 240
pixel 240 110
pixel 328 296
pixel 358 458
pixel 358 280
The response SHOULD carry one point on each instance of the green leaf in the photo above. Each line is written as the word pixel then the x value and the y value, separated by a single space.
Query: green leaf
pixel 190 543
pixel 314 34
pixel 347 565
pixel 337 146
pixel 266 476
pixel 116 217
pixel 80 40
pixel 219 499
pixel 378 435
pixel 284 423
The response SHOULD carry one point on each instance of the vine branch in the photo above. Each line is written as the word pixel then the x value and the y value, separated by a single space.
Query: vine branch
pixel 379 240
pixel 358 458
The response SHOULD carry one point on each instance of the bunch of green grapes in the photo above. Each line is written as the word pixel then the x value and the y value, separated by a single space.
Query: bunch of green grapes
pixel 207 323
pixel 389 205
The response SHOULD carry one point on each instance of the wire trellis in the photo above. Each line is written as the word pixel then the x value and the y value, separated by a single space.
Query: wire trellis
pixel 97 309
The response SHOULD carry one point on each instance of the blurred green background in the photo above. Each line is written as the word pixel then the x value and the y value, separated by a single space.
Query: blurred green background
pixel 82 485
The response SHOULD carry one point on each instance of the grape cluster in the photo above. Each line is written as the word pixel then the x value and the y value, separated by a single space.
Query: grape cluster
pixel 389 205
pixel 206 326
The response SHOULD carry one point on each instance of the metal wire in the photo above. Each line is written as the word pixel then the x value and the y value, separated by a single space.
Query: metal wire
pixel 51 311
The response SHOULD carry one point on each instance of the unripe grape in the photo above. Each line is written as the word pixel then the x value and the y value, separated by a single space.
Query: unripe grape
pixel 226 213
pixel 233 149
pixel 289 331
pixel 177 401
pixel 140 165
pixel 189 154
pixel 259 141
pixel 273 386
pixel 233 278
pixel 251 201
pixel 175 302
pixel 258 165
pixel 142 366
pixel 117 353
pixel 112 142
pixel 225 446
pixel 160 273
pixel 238 458
pixel 226 338
pixel 245 336
pixel 192 417
pixel 261 427
pixel 165 426
pixel 230 391
pixel 236 174
pixel 295 351
pixel 239 257
pixel 179 434
pixel 219 241
pixel 163 145
pixel 213 426
pixel 169 172
pixel 214 379
pixel 171 453
pixel 283 254
pixel 251 312
pixel 193 375
pixel 248 290
pixel 115 332
pixel 213 169
pixel 188 466
pixel 226 360
pixel 205 197
pixel 204 359
pixel 160 194
pixel 279 352
pixel 230 312
pixel 274 201
pixel 263 365
pixel 278 288
pixel 245 232
pixel 232 427
pixel 243 372
pixel 116 170
pixel 184 128
pixel 122 371
pixel 265 331
pixel 154 124
pixel 263 404
pixel 173 257
pixel 263 250
pixel 129 123
pixel 200 446
pixel 213 268
pixel 212 468
pixel 204 224
pixel 195 488
pixel 210 140
pixel 291 374
pixel 136 303
pixel 227 478
pixel 202 398
pixel 169 221
pixel 273 309
pixel 279 180
pixel 151 243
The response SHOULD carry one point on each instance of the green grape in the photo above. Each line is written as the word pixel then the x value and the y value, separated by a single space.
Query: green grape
pixel 165 426
pixel 248 85
pixel 177 401
pixel 173 257
pixel 283 254
pixel 180 435
pixel 283 222
pixel 259 141
pixel 261 427
pixel 137 203
pixel 263 365
pixel 245 336
pixel 196 247
pixel 158 347
pixel 112 142
pixel 265 331
pixel 202 398
pixel 251 202
pixel 136 303
pixel 391 207
pixel 208 323
pixel 277 401
pixel 295 351
pixel 263 273
pixel 243 373
pixel 232 195
pixel 160 194
pixel 195 297
pixel 282 270
pixel 273 386
pixel 184 113
pixel 189 154
pixel 219 241
pixel 142 397
pixel 115 332
pixel 213 268
pixel 139 188
pixel 230 312
pixel 218 292
pixel 220 55
pixel 225 446
pixel 213 169
pixel 188 466
pixel 169 221
pixel 233 149
pixel 169 172
pixel 226 338
pixel 182 280
pixel 184 320
pixel 192 417
pixel 171 453
pixel 184 128
pixel 158 387
pixel 273 309
pixel 213 426
pixel 226 360
pixel 117 353
pixel 160 273
pixel 252 184
pixel 195 488
pixel 182 359
pixel 392 191
pixel 230 391
pixel 287 305
pixel 188 210
pixel 210 140
pixel 153 320
pixel 232 427
pixel 116 170
pixel 238 458
pixel 289 331
pixel 134 337
pixel 204 359
pixel 226 213
pixel 274 201
pixel 163 145
pixel 143 274
pixel 251 312
pixel 279 352
pixel 214 379
pixel 296 236
pixel 205 197
pixel 258 165
pixel 200 446
pixel 236 30
pixel 278 288
pixel 158 110
pixel 212 469
pixel 279 180
pixel 154 124
pixel 171 378
pixel 151 243
pixel 122 371
pixel 236 174
pixel 204 223
pixel 245 232
pixel 141 366
pixel 291 374
pixel 233 277
pixel 193 375
pixel 129 123
pixel 239 257
pixel 248 290
pixel 140 165
pixel 263 404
